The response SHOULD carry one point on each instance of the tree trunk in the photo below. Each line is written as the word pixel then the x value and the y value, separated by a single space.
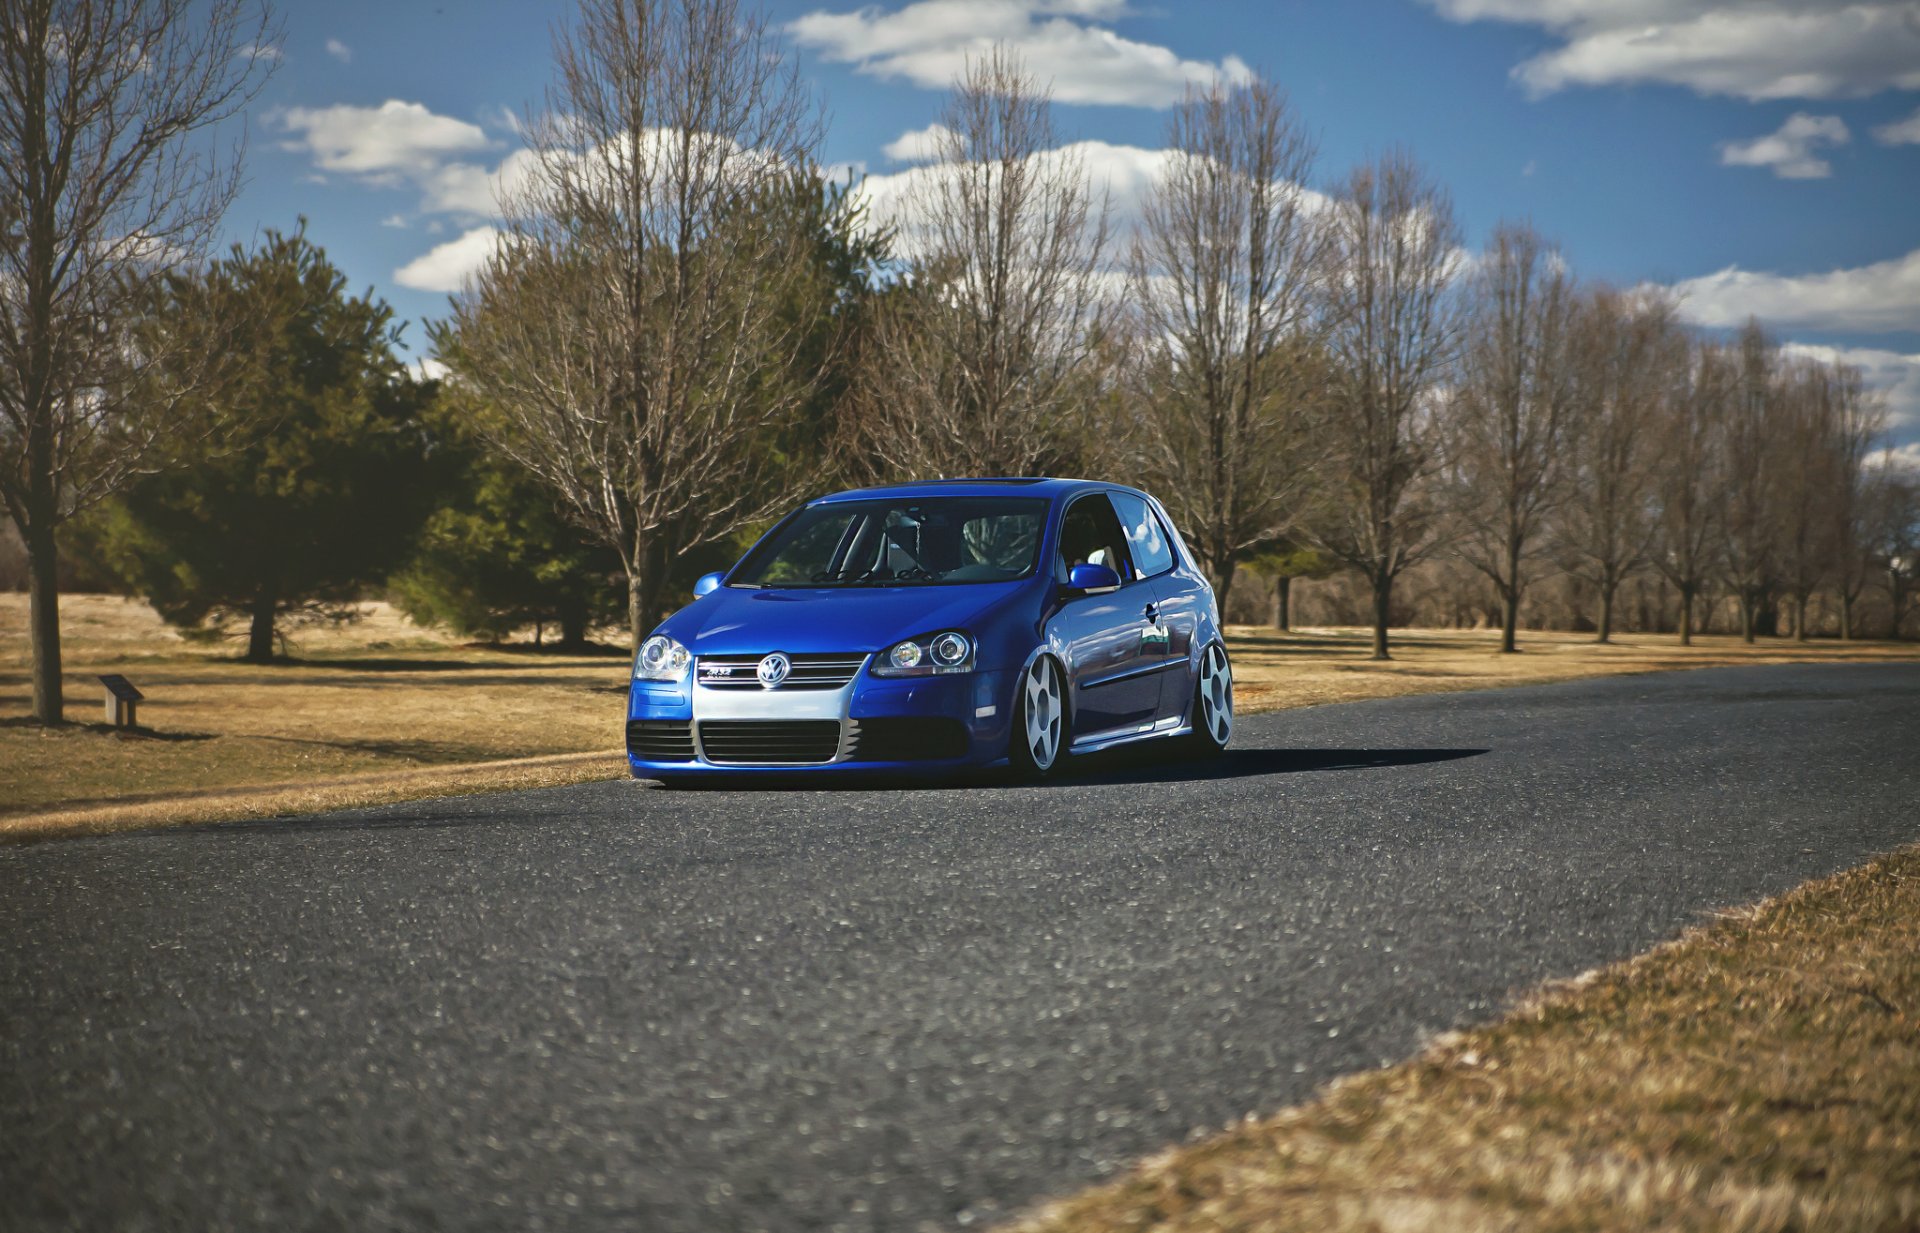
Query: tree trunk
pixel 1382 607
pixel 1510 601
pixel 1846 617
pixel 260 630
pixel 539 632
pixel 1606 612
pixel 1747 618
pixel 1800 618
pixel 1283 603
pixel 646 574
pixel 43 621
pixel 1686 616
pixel 573 626
pixel 1222 587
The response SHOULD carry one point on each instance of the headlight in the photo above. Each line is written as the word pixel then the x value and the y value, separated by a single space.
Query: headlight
pixel 661 659
pixel 935 656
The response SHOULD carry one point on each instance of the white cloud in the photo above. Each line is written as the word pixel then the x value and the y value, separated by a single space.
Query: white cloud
pixel 1901 132
pixel 1894 375
pixel 1793 151
pixel 395 137
pixel 266 53
pixel 1753 49
pixel 1900 457
pixel 1884 296
pixel 339 51
pixel 468 188
pixel 928 43
pixel 426 368
pixel 394 220
pixel 446 267
pixel 919 146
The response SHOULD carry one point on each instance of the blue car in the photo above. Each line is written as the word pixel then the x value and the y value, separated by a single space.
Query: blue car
pixel 933 627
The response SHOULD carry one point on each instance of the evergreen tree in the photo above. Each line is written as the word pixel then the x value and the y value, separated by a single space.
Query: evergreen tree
pixel 497 553
pixel 320 494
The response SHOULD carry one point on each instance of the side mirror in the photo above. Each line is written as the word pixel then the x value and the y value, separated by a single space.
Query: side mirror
pixel 1092 579
pixel 708 583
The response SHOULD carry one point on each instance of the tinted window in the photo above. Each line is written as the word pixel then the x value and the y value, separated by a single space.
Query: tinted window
pixel 1146 538
pixel 905 541
pixel 1090 535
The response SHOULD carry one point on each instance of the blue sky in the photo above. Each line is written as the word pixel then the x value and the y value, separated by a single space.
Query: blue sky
pixel 1760 155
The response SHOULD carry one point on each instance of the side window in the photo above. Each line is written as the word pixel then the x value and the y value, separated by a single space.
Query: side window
pixel 1146 538
pixel 1090 535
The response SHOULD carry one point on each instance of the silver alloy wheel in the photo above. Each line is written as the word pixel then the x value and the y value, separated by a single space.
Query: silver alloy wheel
pixel 1044 712
pixel 1216 695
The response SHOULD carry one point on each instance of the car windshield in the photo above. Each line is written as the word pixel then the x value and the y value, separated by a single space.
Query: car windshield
pixel 903 541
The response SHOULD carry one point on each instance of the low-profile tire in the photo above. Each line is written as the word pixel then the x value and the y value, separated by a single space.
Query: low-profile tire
pixel 1212 716
pixel 1037 746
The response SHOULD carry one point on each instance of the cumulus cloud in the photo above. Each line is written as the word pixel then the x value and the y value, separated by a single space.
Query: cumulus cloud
pixel 928 43
pixel 394 137
pixel 1793 151
pixel 339 51
pixel 1901 132
pixel 446 267
pixel 1752 49
pixel 1895 376
pixel 919 146
pixel 426 368
pixel 1884 296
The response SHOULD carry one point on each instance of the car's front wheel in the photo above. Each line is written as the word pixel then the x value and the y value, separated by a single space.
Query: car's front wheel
pixel 1212 718
pixel 1038 744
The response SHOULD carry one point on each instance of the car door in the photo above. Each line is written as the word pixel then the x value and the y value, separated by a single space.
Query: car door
pixel 1111 667
pixel 1179 598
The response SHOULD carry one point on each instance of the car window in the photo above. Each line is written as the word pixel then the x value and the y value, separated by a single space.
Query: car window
pixel 1091 535
pixel 1146 538
pixel 910 540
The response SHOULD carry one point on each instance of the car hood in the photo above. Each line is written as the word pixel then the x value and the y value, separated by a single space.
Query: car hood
pixel 736 621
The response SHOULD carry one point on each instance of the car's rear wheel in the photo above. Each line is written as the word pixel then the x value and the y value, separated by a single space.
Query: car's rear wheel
pixel 1037 746
pixel 1212 717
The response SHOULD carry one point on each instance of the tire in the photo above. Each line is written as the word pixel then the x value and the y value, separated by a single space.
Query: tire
pixel 1037 746
pixel 1212 714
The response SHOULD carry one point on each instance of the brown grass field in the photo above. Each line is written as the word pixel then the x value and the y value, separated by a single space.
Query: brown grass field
pixel 1756 1076
pixel 381 710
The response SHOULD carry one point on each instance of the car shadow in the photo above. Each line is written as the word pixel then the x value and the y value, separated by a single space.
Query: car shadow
pixel 1132 764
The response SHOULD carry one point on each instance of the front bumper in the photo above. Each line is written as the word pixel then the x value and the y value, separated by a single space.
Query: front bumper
pixel 872 724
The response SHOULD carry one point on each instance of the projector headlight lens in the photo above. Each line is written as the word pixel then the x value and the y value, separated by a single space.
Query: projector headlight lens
pixel 661 659
pixel 938 655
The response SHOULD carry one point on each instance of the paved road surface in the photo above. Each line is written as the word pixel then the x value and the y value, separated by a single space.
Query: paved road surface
pixel 613 1007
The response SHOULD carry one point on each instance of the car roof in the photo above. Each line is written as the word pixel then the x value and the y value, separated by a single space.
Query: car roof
pixel 1048 487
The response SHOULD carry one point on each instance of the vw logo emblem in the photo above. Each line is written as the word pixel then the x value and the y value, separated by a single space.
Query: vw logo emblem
pixel 773 669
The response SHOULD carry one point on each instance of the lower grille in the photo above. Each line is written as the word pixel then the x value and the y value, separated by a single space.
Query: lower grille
pixel 758 742
pixel 660 740
pixel 908 738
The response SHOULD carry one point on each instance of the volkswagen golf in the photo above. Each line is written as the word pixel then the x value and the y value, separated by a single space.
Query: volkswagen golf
pixel 937 626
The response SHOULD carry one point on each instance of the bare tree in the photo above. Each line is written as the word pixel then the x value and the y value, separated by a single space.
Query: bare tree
pixel 978 368
pixel 1687 480
pixel 1750 446
pixel 110 171
pixel 1805 477
pixel 1222 271
pixel 1510 410
pixel 1858 420
pixel 1631 359
pixel 634 326
pixel 1894 523
pixel 1391 331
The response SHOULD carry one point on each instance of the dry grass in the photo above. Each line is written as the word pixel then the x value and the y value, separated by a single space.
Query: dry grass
pixel 382 710
pixel 357 707
pixel 1762 1074
pixel 1273 671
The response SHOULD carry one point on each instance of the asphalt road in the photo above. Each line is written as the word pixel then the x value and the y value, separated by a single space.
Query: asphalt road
pixel 617 1007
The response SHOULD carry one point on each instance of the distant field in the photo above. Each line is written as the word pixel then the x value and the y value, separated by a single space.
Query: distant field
pixel 384 710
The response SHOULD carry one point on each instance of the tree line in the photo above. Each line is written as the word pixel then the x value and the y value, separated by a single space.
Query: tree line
pixel 686 326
